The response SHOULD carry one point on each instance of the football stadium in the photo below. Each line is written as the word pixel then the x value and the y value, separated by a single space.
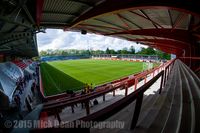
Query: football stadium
pixel 99 66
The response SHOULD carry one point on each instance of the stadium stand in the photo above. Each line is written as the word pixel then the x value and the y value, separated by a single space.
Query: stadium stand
pixel 129 57
pixel 11 70
pixel 20 64
pixel 171 26
pixel 8 84
pixel 11 75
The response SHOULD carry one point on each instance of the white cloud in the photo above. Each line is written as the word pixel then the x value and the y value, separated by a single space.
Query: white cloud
pixel 57 39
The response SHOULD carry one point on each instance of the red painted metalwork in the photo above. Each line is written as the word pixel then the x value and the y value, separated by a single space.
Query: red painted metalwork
pixel 170 16
pixel 183 6
pixel 179 20
pixel 91 30
pixel 39 7
pixel 147 18
pixel 196 27
pixel 107 22
pixel 130 22
pixel 177 34
pixel 100 26
pixel 124 22
pixel 193 58
pixel 163 42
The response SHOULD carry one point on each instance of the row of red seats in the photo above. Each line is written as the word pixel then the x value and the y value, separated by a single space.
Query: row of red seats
pixel 20 64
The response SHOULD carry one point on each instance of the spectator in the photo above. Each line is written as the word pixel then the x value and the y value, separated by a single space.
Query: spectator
pixel 17 101
pixel 83 93
pixel 95 102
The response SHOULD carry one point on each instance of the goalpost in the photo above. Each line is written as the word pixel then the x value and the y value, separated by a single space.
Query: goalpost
pixel 147 66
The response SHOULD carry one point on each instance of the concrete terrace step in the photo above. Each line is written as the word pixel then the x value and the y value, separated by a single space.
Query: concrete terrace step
pixel 146 107
pixel 173 122
pixel 160 107
pixel 187 118
pixel 166 110
pixel 126 114
pixel 195 91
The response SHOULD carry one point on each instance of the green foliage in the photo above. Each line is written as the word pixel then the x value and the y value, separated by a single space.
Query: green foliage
pixel 107 51
pixel 125 50
pixel 151 51
pixel 132 50
pixel 163 55
pixel 147 51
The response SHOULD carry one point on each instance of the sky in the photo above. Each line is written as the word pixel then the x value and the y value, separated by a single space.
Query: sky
pixel 59 39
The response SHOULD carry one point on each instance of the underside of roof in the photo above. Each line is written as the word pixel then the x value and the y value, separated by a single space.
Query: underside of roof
pixel 170 25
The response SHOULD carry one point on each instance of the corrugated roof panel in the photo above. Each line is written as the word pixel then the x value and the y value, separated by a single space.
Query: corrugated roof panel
pixel 103 24
pixel 137 36
pixel 184 23
pixel 125 37
pixel 131 36
pixel 64 6
pixel 160 16
pixel 174 15
pixel 161 38
pixel 92 1
pixel 100 22
pixel 114 20
pixel 99 29
pixel 131 24
pixel 56 18
pixel 140 21
pixel 149 37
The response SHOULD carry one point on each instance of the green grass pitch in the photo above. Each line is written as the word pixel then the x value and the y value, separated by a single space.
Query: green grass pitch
pixel 59 76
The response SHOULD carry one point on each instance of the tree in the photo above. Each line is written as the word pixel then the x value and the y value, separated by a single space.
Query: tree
pixel 124 51
pixel 43 53
pixel 147 51
pixel 112 51
pixel 163 55
pixel 107 51
pixel 132 50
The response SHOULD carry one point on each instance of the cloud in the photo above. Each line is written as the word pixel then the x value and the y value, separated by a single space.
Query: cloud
pixel 57 39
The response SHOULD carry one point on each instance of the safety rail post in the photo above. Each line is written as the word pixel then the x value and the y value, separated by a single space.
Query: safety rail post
pixel 165 72
pixel 126 90
pixel 103 97
pixel 161 83
pixel 87 107
pixel 136 81
pixel 57 115
pixel 137 111
pixel 168 71
pixel 114 93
